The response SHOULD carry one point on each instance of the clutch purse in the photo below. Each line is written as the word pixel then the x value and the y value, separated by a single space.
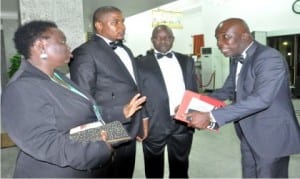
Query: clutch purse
pixel 116 132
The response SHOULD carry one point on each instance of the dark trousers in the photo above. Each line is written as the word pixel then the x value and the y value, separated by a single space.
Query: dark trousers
pixel 257 166
pixel 123 162
pixel 178 145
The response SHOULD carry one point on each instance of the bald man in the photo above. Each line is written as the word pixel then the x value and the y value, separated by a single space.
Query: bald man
pixel 262 110
pixel 164 76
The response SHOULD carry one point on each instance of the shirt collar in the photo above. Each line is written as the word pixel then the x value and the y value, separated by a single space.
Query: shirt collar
pixel 104 38
pixel 156 51
pixel 244 54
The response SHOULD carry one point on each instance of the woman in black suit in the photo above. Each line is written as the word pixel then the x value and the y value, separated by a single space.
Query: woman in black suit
pixel 40 106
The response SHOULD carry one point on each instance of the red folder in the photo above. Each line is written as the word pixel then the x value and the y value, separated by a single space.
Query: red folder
pixel 196 101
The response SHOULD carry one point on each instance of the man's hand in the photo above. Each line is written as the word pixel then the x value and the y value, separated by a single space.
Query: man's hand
pixel 176 109
pixel 198 120
pixel 134 105
pixel 145 130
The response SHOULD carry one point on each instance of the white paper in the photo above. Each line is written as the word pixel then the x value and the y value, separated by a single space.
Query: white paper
pixel 85 127
pixel 199 105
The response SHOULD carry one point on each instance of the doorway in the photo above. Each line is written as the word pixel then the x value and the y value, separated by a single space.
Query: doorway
pixel 289 46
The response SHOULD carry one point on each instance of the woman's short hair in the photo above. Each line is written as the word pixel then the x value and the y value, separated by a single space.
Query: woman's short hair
pixel 28 33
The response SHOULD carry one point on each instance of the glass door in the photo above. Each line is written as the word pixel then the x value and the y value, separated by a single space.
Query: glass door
pixel 288 45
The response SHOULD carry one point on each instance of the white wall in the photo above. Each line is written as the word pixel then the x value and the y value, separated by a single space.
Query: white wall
pixel 139 29
pixel 273 16
pixel 67 14
pixel 138 32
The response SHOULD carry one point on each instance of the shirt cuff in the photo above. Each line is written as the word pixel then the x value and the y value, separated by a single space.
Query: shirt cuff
pixel 213 123
pixel 212 118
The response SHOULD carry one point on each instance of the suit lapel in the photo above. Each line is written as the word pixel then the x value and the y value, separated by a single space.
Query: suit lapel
pixel 50 87
pixel 233 69
pixel 241 76
pixel 116 59
pixel 123 67
pixel 132 59
pixel 246 66
pixel 182 63
pixel 157 73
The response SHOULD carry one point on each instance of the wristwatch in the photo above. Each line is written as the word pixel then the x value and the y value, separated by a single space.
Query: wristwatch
pixel 213 125
pixel 296 7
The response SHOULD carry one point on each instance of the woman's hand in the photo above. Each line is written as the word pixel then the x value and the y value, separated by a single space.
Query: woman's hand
pixel 134 105
pixel 103 135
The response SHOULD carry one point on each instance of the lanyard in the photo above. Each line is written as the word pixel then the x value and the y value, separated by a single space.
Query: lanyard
pixel 96 108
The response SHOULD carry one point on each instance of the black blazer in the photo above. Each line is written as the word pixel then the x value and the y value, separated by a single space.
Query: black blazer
pixel 37 114
pixel 263 107
pixel 153 86
pixel 99 71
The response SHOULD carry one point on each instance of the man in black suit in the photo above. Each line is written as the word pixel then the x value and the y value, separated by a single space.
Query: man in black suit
pixel 262 111
pixel 165 75
pixel 105 68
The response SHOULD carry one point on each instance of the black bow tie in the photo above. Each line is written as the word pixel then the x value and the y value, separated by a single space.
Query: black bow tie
pixel 239 58
pixel 160 55
pixel 115 44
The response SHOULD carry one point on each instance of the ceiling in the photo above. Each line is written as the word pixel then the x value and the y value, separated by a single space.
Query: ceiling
pixel 128 7
pixel 9 8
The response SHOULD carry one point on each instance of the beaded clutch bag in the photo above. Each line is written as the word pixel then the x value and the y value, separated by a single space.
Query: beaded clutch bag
pixel 92 132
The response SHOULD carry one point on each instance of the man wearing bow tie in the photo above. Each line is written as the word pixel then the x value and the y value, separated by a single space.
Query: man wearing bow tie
pixel 105 68
pixel 164 76
pixel 262 110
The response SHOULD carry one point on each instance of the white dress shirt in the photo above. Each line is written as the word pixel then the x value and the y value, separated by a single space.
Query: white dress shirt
pixel 173 78
pixel 124 56
pixel 240 65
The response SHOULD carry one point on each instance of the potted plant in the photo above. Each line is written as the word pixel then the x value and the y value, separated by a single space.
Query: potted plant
pixel 15 64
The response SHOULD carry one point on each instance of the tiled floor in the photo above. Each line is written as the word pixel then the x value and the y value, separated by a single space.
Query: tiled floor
pixel 213 155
